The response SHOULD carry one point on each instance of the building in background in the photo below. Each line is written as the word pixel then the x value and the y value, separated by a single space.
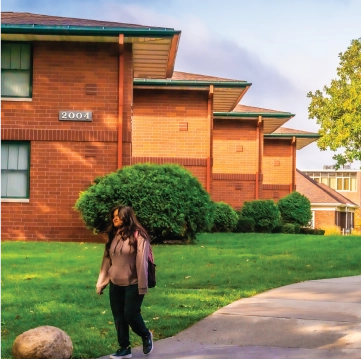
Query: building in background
pixel 83 98
pixel 329 207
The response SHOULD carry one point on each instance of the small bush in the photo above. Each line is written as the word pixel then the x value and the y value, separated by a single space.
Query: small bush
pixel 245 225
pixel 288 228
pixel 297 228
pixel 295 208
pixel 332 230
pixel 277 229
pixel 167 199
pixel 308 231
pixel 265 213
pixel 225 218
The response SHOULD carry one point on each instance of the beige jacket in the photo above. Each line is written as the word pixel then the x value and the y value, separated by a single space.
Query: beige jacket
pixel 125 266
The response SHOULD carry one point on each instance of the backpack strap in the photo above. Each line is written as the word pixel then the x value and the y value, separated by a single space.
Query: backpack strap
pixel 150 256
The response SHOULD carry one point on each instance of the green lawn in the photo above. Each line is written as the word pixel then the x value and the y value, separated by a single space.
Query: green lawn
pixel 52 283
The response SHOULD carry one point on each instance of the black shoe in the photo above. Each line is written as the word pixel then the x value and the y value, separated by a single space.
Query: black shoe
pixel 122 353
pixel 148 344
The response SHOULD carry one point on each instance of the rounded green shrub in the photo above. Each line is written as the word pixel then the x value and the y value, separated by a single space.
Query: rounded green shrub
pixel 297 228
pixel 265 213
pixel 225 218
pixel 244 225
pixel 288 228
pixel 295 208
pixel 167 199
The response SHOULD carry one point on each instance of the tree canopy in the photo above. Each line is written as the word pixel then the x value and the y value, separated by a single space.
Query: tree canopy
pixel 338 108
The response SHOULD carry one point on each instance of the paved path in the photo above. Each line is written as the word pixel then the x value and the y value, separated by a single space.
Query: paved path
pixel 318 319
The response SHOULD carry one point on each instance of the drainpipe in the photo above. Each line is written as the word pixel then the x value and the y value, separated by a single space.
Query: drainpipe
pixel 210 128
pixel 120 100
pixel 258 142
pixel 293 147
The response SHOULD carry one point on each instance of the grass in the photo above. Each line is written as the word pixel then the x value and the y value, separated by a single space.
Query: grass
pixel 52 283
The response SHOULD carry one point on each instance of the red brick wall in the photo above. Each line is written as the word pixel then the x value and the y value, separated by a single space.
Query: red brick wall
pixel 61 72
pixel 324 219
pixel 59 171
pixel 159 117
pixel 277 162
pixel 66 156
pixel 234 147
pixel 233 192
pixel 171 127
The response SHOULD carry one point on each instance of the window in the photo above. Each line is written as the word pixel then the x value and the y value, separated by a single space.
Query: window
pixel 15 169
pixel 340 181
pixel 16 70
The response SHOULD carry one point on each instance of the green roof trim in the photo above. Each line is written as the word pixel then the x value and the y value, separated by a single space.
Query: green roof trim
pixel 253 114
pixel 169 82
pixel 300 136
pixel 86 30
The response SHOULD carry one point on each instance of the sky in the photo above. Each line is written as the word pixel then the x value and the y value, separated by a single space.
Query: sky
pixel 285 48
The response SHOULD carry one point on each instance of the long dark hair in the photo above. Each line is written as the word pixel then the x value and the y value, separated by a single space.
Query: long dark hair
pixel 130 225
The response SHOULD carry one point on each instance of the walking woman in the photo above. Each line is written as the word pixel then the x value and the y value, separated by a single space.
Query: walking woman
pixel 124 267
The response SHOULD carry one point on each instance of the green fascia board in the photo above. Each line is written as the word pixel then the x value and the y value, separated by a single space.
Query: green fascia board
pixel 160 82
pixel 252 114
pixel 86 30
pixel 300 136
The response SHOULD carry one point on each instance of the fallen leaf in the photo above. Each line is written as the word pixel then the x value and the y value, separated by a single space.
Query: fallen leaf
pixel 187 277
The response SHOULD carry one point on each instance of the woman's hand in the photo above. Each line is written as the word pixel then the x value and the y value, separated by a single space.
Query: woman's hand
pixel 100 290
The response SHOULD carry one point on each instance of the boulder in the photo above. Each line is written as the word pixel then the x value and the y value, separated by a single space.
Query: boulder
pixel 43 342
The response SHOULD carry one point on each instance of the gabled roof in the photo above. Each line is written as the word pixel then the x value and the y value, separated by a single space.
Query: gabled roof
pixel 319 193
pixel 303 138
pixel 154 48
pixel 272 118
pixel 227 92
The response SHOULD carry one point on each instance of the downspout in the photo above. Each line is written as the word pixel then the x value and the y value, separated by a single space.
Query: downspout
pixel 210 129
pixel 293 147
pixel 258 142
pixel 120 100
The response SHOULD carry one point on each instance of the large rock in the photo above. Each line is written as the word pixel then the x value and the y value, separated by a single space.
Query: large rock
pixel 43 342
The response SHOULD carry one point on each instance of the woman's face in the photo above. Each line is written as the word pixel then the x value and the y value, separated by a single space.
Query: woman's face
pixel 117 222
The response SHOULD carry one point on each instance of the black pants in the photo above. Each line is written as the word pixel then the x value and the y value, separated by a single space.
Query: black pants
pixel 125 303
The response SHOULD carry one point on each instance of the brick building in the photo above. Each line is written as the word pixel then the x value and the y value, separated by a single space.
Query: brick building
pixel 82 98
pixel 329 207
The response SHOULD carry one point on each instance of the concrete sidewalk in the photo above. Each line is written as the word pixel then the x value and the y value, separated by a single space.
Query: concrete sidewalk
pixel 318 319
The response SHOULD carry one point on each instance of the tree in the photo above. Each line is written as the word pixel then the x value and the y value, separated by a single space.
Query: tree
pixel 295 208
pixel 338 108
pixel 167 199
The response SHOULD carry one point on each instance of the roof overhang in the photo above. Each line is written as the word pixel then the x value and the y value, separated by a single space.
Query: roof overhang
pixel 154 49
pixel 302 140
pixel 226 94
pixel 272 121
pixel 315 205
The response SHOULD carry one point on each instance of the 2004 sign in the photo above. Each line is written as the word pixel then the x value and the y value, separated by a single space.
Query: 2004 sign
pixel 75 115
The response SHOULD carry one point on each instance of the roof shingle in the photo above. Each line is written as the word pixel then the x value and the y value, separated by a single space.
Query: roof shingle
pixel 252 109
pixel 179 75
pixel 317 192
pixel 283 130
pixel 23 18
